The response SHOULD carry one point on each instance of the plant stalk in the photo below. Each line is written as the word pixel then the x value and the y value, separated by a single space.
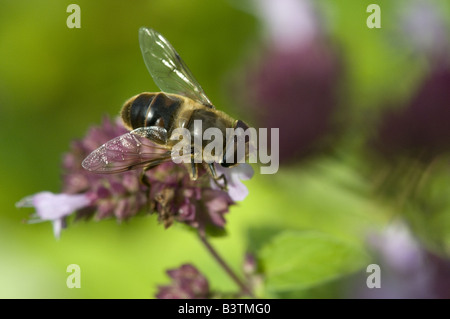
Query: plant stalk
pixel 244 289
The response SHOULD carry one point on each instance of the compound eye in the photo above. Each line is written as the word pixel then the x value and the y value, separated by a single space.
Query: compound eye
pixel 244 127
pixel 227 164
pixel 240 124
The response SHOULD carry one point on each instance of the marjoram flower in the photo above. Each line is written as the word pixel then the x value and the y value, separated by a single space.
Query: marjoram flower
pixel 171 194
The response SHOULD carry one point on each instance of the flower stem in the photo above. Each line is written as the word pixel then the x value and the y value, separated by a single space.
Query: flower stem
pixel 224 265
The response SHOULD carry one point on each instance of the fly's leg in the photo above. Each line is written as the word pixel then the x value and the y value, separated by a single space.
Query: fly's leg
pixel 143 177
pixel 194 172
pixel 216 178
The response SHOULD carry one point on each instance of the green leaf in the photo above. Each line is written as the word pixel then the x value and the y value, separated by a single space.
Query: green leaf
pixel 300 260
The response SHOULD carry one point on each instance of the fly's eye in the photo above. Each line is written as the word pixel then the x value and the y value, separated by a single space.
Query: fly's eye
pixel 227 164
pixel 244 127
pixel 240 124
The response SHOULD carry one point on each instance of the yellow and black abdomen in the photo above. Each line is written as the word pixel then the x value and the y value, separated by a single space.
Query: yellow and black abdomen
pixel 150 109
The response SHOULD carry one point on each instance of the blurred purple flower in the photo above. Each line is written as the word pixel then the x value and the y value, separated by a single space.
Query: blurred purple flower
pixel 420 129
pixel 408 270
pixel 294 86
pixel 422 27
pixel 249 267
pixel 253 277
pixel 187 283
pixel 172 194
pixel 289 24
pixel 397 248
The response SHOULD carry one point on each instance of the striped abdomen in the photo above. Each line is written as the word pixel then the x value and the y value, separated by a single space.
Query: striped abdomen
pixel 150 109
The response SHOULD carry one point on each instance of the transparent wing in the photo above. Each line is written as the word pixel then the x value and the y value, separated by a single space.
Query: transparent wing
pixel 167 69
pixel 125 152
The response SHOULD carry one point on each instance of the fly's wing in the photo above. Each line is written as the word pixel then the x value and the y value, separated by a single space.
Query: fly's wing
pixel 126 152
pixel 167 69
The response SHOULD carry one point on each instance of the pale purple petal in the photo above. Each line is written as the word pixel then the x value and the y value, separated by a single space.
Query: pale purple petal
pixel 234 175
pixel 242 172
pixel 237 191
pixel 51 206
pixel 55 207
pixel 58 225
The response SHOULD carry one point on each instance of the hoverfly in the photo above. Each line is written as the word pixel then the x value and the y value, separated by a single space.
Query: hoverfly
pixel 153 117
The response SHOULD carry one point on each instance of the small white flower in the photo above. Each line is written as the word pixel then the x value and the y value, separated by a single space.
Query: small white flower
pixel 54 207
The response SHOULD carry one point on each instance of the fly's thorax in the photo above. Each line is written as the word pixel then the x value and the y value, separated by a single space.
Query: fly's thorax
pixel 151 109
pixel 207 126
pixel 204 119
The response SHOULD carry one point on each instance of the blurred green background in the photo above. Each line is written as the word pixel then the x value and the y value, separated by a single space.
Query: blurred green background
pixel 56 82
